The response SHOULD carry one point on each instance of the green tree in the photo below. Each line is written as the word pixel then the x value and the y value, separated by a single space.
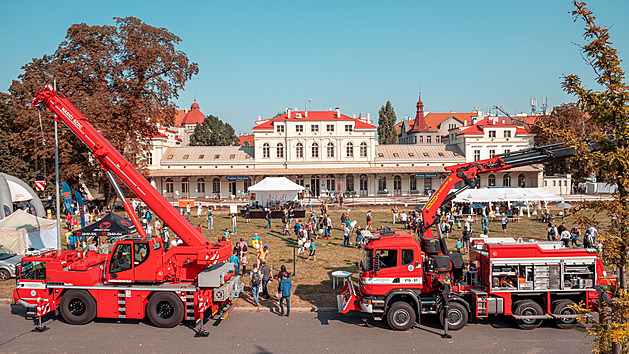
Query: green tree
pixel 609 112
pixel 124 78
pixel 565 118
pixel 213 132
pixel 10 161
pixel 387 133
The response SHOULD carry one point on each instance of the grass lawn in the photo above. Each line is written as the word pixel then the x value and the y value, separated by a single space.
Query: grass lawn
pixel 312 281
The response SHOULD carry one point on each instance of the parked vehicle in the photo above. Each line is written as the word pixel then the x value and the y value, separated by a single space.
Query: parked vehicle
pixel 9 262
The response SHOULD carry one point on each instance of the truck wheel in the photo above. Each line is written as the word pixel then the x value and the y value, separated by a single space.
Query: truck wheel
pixel 77 307
pixel 165 310
pixel 562 307
pixel 401 316
pixel 4 275
pixel 457 316
pixel 528 308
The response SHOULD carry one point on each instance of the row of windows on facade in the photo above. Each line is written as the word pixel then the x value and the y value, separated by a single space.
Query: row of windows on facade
pixel 314 150
pixel 299 128
pixel 330 183
pixel 490 133
pixel 492 154
pixel 414 139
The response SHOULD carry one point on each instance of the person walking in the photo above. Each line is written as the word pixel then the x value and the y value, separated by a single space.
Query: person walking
pixel 188 211
pixel 565 238
pixel 368 227
pixel 504 222
pixel 199 210
pixel 285 290
pixel 165 237
pixel 234 259
pixel 210 218
pixel 265 270
pixel 346 236
pixel 255 278
pixel 234 230
pixel 313 251
pixel 268 219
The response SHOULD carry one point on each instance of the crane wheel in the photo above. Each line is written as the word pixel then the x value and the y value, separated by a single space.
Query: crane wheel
pixel 165 310
pixel 457 316
pixel 562 307
pixel 401 316
pixel 528 308
pixel 77 307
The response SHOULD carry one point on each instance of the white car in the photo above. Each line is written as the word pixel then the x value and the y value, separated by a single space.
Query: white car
pixel 9 261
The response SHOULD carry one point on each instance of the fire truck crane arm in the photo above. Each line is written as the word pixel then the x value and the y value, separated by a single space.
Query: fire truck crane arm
pixel 112 161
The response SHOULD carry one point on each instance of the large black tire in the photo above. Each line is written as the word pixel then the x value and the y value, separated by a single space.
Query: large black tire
pixel 77 307
pixel 401 316
pixel 165 310
pixel 531 308
pixel 4 275
pixel 562 307
pixel 457 316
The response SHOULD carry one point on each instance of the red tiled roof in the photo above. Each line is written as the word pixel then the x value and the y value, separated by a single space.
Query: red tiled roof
pixel 179 116
pixel 477 129
pixel 434 119
pixel 313 116
pixel 245 139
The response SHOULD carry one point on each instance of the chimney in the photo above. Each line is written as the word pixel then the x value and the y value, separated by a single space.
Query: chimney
pixel 354 115
pixel 368 118
pixel 503 121
pixel 330 109
pixel 306 114
pixel 288 110
pixel 474 120
pixel 259 117
pixel 465 123
pixel 338 113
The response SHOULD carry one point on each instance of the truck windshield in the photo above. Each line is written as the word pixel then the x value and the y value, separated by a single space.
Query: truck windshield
pixel 368 260
pixel 5 253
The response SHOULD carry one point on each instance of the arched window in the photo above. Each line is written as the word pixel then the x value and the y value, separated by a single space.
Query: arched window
pixel 506 180
pixel 382 184
pixel 315 150
pixel 363 184
pixel 329 182
pixel 330 150
pixel 412 181
pixel 266 152
pixel 169 185
pixel 521 180
pixel 349 183
pixel 201 186
pixel 491 180
pixel 216 185
pixel 397 184
pixel 363 149
pixel 299 150
pixel 280 150
pixel 349 150
pixel 185 186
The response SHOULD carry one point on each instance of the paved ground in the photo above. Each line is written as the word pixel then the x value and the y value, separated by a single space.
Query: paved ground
pixel 266 332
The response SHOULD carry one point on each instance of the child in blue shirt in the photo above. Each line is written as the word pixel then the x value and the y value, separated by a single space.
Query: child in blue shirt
pixel 459 244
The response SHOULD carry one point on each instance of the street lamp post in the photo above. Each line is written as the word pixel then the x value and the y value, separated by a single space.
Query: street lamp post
pixel 53 74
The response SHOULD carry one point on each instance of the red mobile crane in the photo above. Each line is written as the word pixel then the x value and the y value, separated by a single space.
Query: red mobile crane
pixel 139 277
pixel 401 279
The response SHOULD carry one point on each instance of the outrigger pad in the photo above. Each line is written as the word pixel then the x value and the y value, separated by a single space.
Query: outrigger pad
pixel 40 329
pixel 201 333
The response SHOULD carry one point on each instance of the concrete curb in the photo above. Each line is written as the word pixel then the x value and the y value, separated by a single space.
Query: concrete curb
pixel 277 308
pixel 248 308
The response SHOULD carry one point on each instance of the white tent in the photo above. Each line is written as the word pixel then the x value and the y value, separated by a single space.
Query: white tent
pixel 485 195
pixel 273 190
pixel 21 231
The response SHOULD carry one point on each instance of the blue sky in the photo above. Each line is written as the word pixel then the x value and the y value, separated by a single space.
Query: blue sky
pixel 259 57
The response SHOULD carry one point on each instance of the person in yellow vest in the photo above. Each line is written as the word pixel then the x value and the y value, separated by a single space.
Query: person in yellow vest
pixel 263 253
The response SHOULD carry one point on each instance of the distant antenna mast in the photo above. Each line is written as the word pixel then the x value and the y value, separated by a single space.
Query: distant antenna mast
pixel 544 104
pixel 533 105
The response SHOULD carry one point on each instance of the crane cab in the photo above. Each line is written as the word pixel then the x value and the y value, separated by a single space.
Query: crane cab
pixel 136 260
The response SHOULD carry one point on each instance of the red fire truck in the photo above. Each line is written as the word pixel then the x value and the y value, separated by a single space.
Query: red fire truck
pixel 401 278
pixel 139 277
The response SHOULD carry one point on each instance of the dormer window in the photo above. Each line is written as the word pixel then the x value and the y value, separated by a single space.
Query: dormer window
pixel 426 154
pixel 201 157
pixel 442 154
pixel 217 156
pixel 410 154
pixel 380 154
pixel 185 157
pixel 232 156
pixel 170 157
pixel 395 154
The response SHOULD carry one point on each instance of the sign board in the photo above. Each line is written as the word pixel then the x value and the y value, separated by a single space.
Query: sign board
pixel 237 178
pixel 40 185
pixel 184 202
pixel 233 209
pixel 425 175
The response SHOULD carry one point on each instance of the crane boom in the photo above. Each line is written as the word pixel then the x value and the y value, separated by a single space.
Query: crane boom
pixel 468 173
pixel 113 161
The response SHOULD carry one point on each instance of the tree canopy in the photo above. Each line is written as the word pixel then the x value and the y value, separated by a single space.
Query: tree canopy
pixel 387 133
pixel 213 132
pixel 124 78
pixel 608 109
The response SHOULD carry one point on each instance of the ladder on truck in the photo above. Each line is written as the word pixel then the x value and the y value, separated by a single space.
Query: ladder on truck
pixel 480 303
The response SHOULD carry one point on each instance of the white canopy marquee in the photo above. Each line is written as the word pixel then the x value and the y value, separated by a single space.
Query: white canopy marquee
pixel 272 190
pixel 494 195
pixel 508 195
